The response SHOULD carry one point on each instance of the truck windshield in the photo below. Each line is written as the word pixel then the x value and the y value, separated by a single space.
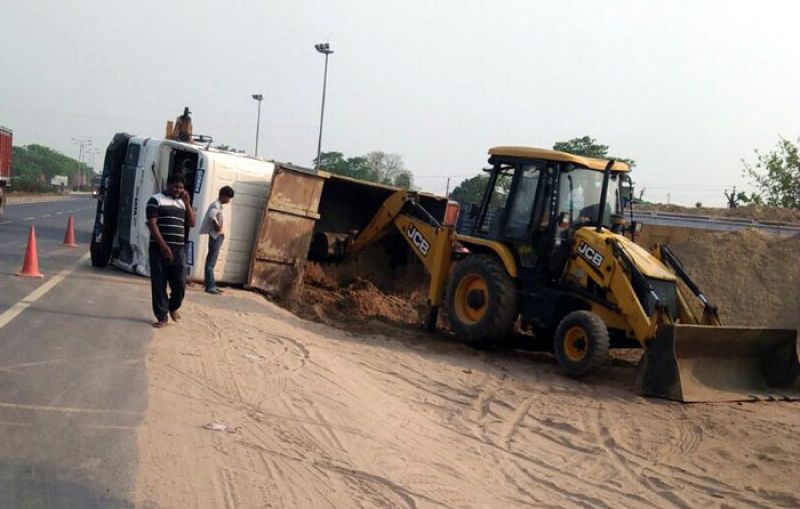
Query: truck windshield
pixel 579 196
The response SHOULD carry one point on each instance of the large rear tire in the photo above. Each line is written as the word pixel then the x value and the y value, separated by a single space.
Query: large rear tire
pixel 481 300
pixel 581 343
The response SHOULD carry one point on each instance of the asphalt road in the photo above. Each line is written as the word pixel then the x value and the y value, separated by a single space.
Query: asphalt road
pixel 72 374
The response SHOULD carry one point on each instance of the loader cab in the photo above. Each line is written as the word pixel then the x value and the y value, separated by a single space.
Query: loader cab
pixel 536 199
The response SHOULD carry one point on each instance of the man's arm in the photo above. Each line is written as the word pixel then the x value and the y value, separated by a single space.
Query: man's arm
pixel 189 210
pixel 215 220
pixel 152 224
pixel 212 215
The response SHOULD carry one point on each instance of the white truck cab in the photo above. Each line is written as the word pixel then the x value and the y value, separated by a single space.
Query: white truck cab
pixel 148 164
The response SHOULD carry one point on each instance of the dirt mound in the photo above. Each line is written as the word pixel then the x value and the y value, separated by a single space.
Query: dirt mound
pixel 753 278
pixel 756 212
pixel 354 300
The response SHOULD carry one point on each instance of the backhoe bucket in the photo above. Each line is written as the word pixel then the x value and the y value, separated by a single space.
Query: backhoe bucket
pixel 700 363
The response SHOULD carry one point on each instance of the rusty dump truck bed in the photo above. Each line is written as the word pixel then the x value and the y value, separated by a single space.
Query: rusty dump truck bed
pixel 303 203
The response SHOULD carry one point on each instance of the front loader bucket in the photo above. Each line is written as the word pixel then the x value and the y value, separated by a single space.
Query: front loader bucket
pixel 700 363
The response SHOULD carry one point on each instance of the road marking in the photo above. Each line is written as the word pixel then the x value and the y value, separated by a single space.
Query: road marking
pixel 46 215
pixel 12 312
pixel 28 218
pixel 6 222
pixel 66 409
pixel 59 213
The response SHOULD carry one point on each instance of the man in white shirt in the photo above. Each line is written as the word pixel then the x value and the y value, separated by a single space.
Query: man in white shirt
pixel 213 225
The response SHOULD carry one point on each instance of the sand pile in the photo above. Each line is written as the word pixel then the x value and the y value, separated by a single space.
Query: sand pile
pixel 342 295
pixel 756 212
pixel 753 278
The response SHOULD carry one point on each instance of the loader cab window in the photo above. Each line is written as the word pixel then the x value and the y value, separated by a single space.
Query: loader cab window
pixel 490 222
pixel 521 209
pixel 579 196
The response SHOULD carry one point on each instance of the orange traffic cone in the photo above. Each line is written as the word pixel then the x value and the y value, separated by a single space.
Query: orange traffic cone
pixel 69 235
pixel 30 266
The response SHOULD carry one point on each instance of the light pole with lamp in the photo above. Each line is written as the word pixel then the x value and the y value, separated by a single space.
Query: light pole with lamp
pixel 326 50
pixel 259 98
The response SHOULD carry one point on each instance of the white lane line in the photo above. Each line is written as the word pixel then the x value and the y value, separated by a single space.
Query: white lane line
pixel 46 215
pixel 6 222
pixel 67 409
pixel 28 218
pixel 38 293
pixel 59 213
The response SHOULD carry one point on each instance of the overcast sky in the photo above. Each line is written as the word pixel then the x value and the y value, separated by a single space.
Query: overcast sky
pixel 686 89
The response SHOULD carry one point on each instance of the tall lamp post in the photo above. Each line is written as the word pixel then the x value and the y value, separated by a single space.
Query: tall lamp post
pixel 259 98
pixel 326 50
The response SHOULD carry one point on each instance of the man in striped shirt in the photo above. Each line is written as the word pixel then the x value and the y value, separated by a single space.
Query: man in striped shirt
pixel 168 215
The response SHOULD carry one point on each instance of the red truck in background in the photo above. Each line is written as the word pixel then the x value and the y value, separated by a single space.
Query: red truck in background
pixel 5 165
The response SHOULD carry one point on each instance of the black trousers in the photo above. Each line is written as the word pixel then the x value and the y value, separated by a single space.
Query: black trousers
pixel 165 272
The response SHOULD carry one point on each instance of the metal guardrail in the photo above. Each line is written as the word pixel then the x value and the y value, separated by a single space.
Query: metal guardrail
pixel 725 224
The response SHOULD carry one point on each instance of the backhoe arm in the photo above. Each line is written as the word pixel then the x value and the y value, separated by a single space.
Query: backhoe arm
pixel 429 240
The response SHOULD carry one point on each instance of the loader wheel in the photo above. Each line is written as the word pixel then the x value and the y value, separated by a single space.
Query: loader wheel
pixel 481 300
pixel 581 343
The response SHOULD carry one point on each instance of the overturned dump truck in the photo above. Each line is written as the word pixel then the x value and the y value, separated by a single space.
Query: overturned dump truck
pixel 282 217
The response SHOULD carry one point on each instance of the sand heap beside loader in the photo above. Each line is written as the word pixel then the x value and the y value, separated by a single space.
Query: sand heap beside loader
pixel 547 246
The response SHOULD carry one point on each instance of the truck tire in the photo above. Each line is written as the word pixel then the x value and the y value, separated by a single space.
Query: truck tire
pixel 481 300
pixel 581 343
pixel 100 251
pixel 2 201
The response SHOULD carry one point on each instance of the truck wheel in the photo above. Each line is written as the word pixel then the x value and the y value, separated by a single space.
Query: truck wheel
pixel 481 300
pixel 581 343
pixel 100 252
pixel 2 202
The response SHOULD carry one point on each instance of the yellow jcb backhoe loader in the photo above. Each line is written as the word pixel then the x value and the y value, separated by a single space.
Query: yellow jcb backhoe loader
pixel 547 245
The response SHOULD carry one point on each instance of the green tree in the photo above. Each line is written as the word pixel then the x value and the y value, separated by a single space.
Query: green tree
pixel 33 161
pixel 388 169
pixel 588 147
pixel 471 190
pixel 374 167
pixel 776 175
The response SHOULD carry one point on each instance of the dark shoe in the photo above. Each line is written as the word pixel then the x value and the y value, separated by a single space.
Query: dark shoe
pixel 214 291
pixel 175 315
pixel 161 323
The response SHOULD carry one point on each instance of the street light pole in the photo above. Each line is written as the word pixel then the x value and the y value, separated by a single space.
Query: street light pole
pixel 326 50
pixel 259 98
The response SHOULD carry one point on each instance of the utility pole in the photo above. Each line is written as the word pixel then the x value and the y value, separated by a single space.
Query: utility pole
pixel 259 98
pixel 447 189
pixel 82 145
pixel 326 50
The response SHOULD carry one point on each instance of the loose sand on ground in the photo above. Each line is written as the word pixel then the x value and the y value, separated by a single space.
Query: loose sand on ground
pixel 319 417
